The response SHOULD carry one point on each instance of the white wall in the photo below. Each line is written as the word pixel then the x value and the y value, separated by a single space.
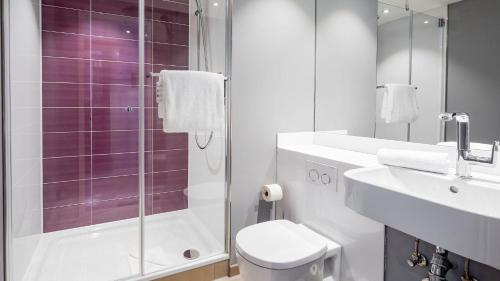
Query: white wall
pixel 323 209
pixel 25 169
pixel 272 91
pixel 346 58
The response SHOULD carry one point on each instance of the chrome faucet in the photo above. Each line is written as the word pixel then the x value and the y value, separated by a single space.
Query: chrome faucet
pixel 465 156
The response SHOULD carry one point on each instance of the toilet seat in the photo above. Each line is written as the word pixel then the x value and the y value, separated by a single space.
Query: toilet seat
pixel 279 244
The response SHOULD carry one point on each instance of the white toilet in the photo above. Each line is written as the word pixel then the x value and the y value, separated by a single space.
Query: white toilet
pixel 281 250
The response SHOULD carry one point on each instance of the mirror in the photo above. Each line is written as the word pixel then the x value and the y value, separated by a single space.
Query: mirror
pixel 446 51
pixel 410 51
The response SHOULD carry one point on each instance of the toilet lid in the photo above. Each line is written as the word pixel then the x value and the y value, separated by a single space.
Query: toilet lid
pixel 279 244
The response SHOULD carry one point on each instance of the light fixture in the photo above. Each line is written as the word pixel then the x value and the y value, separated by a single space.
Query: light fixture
pixel 127 31
pixel 386 11
pixel 216 4
pixel 426 22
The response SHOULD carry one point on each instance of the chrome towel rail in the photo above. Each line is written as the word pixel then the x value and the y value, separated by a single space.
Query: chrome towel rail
pixel 383 86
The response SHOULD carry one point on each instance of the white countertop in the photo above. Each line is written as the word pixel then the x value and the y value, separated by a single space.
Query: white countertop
pixel 342 155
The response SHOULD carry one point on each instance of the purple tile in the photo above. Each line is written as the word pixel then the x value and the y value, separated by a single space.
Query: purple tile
pixel 80 4
pixel 148 166
pixel 148 204
pixel 115 95
pixel 115 49
pixel 115 26
pixel 121 73
pixel 148 179
pixel 169 11
pixel 65 70
pixel 66 119
pixel 148 9
pixel 168 141
pixel 148 82
pixel 159 67
pixel 66 193
pixel 172 33
pixel 150 98
pixel 148 34
pixel 66 217
pixel 66 144
pixel 170 160
pixel 115 187
pixel 170 54
pixel 107 119
pixel 111 165
pixel 168 202
pixel 114 210
pixel 66 169
pixel 155 122
pixel 65 45
pixel 65 20
pixel 66 95
pixel 118 7
pixel 148 140
pixel 170 181
pixel 115 142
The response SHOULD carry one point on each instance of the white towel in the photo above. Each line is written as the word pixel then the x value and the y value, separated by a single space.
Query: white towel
pixel 399 104
pixel 436 162
pixel 190 101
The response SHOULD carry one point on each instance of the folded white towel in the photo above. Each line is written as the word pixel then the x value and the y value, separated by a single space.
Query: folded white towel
pixel 190 101
pixel 436 162
pixel 399 104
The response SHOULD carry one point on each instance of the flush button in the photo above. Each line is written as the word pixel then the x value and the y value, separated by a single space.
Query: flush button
pixel 326 179
pixel 313 175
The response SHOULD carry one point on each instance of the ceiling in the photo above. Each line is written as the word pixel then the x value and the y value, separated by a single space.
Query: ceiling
pixel 435 8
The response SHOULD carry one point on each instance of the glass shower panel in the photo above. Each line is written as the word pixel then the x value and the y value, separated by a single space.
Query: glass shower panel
pixel 393 62
pixel 428 74
pixel 73 139
pixel 185 185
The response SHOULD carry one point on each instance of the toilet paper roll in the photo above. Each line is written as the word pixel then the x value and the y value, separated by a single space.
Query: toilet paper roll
pixel 271 192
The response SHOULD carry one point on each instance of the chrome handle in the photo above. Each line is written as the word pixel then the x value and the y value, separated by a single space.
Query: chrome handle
pixel 459 116
pixel 447 117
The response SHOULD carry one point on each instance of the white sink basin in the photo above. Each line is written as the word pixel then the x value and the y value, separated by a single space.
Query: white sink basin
pixel 465 221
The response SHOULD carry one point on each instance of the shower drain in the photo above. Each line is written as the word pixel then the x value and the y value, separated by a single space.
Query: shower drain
pixel 191 254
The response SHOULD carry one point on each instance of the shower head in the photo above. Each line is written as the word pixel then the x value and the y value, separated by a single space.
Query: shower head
pixel 198 8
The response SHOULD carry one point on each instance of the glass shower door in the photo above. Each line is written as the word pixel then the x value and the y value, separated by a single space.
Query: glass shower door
pixel 185 185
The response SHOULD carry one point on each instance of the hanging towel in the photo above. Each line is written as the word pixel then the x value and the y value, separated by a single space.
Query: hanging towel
pixel 190 101
pixel 399 104
pixel 436 162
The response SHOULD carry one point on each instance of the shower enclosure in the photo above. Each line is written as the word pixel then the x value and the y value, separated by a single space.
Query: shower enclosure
pixel 412 50
pixel 94 188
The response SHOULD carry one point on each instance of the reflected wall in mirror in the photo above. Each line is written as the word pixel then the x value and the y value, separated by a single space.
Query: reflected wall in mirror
pixel 474 67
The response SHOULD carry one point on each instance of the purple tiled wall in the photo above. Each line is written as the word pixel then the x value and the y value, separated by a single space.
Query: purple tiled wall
pixel 90 140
